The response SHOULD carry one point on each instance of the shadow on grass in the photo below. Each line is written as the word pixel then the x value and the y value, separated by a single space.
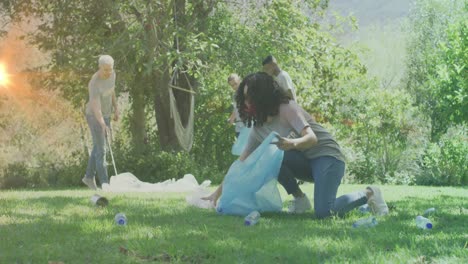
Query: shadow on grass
pixel 71 230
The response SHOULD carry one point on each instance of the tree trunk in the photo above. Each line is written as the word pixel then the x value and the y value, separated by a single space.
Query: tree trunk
pixel 167 136
pixel 137 92
pixel 138 116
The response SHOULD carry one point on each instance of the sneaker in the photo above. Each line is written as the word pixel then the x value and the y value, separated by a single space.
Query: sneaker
pixel 376 201
pixel 105 187
pixel 91 183
pixel 299 205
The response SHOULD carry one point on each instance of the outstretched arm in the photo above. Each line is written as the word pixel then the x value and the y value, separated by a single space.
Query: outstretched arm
pixel 213 198
pixel 251 145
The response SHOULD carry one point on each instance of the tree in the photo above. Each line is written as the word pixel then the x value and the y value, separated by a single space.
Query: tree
pixel 290 30
pixel 450 81
pixel 436 62
pixel 150 40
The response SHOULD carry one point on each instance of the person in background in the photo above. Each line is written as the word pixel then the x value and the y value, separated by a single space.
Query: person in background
pixel 271 67
pixel 102 102
pixel 312 156
pixel 234 81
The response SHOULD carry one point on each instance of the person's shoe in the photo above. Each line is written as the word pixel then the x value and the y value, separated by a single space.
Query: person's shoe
pixel 299 205
pixel 376 201
pixel 105 187
pixel 91 183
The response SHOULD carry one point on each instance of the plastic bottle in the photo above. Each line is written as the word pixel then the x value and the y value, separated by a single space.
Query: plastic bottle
pixel 120 219
pixel 423 223
pixel 364 209
pixel 252 218
pixel 365 222
pixel 429 211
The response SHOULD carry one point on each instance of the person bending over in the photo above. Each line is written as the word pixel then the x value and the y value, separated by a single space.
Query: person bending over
pixel 99 108
pixel 312 155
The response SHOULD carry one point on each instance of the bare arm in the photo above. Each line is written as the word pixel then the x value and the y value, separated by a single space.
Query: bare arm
pixel 307 140
pixel 245 154
pixel 217 193
pixel 232 117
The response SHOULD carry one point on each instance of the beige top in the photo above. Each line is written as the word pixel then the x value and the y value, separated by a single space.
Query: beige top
pixel 101 90
pixel 290 121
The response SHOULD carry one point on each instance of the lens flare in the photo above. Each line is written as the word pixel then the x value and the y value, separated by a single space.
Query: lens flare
pixel 3 76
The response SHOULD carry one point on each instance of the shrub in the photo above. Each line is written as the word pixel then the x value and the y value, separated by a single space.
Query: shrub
pixel 446 162
pixel 15 175
pixel 382 134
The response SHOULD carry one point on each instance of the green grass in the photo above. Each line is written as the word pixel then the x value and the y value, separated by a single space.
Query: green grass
pixel 62 226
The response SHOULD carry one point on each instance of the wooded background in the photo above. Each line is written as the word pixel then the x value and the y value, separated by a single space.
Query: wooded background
pixel 388 80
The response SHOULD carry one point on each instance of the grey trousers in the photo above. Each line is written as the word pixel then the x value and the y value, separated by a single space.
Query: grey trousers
pixel 327 173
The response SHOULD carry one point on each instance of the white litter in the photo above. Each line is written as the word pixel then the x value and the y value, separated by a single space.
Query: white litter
pixel 127 182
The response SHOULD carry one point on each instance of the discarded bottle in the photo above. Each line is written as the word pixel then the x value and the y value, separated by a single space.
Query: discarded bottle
pixel 99 200
pixel 120 219
pixel 429 212
pixel 252 218
pixel 423 223
pixel 365 222
pixel 364 209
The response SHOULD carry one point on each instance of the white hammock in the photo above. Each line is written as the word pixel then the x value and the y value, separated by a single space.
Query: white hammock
pixel 184 134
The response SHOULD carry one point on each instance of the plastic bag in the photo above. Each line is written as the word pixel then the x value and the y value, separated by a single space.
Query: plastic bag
pixel 251 185
pixel 127 182
pixel 241 141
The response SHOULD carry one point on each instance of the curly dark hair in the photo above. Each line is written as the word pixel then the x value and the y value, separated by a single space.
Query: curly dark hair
pixel 264 93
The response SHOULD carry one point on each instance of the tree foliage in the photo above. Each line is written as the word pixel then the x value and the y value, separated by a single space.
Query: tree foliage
pixel 437 57
pixel 148 39
pixel 446 161
pixel 382 131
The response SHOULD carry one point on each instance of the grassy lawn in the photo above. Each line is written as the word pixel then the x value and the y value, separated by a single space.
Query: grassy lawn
pixel 63 227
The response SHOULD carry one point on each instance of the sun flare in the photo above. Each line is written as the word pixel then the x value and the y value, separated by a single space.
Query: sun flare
pixel 3 76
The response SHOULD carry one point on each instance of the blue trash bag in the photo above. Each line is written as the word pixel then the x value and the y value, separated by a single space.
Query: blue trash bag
pixel 241 141
pixel 251 185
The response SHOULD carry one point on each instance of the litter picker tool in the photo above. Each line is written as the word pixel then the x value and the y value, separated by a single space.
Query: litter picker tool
pixel 112 155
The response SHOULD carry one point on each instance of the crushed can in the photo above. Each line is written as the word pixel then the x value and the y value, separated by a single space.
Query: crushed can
pixel 99 200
